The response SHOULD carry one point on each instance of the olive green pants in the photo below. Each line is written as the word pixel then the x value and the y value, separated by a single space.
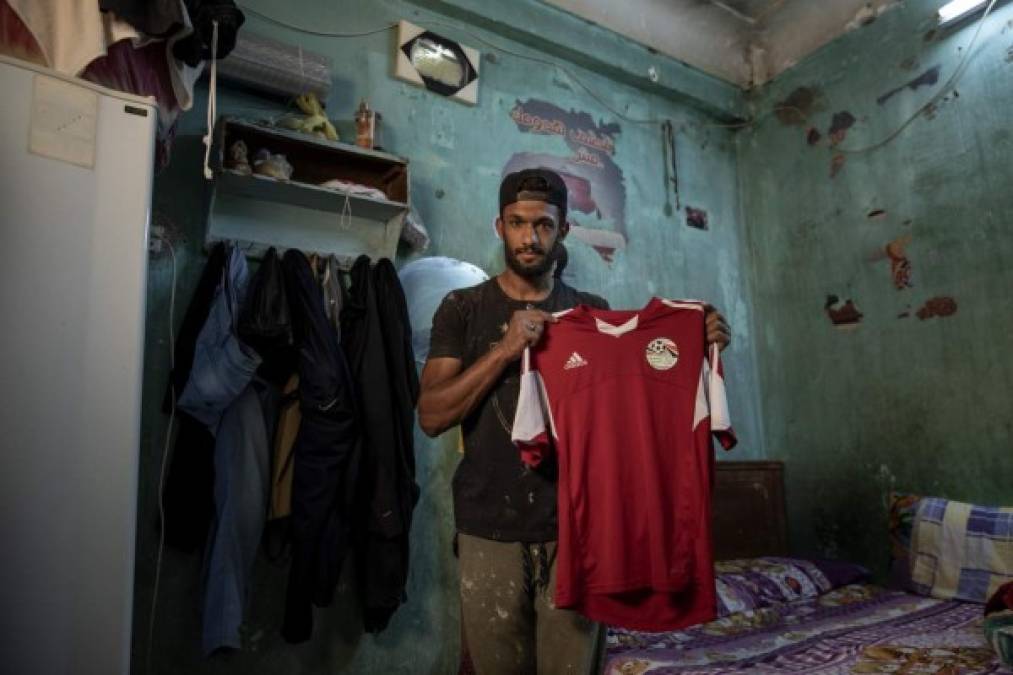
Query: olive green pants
pixel 510 622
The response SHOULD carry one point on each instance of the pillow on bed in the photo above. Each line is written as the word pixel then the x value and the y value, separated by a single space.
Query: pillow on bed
pixel 753 583
pixel 960 551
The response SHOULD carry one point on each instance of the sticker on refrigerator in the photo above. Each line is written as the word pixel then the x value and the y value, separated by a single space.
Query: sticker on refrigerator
pixel 64 121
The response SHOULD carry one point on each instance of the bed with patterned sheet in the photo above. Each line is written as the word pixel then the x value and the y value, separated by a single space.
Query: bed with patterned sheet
pixel 788 615
pixel 858 628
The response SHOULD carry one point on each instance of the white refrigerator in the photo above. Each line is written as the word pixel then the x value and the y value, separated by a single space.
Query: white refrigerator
pixel 75 194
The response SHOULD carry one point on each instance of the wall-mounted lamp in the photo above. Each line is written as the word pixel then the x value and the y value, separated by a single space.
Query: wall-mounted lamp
pixel 956 10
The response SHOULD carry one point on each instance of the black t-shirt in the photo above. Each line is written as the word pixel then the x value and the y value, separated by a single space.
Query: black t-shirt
pixel 495 495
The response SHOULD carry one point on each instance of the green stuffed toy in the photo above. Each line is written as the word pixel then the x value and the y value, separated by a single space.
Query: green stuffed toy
pixel 313 121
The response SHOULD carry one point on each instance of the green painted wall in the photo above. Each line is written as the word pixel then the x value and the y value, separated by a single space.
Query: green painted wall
pixel 897 402
pixel 457 153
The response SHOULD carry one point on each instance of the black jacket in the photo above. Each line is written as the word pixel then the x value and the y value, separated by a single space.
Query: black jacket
pixel 326 454
pixel 377 338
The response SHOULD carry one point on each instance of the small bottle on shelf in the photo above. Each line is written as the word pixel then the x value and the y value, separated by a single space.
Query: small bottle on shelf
pixel 365 120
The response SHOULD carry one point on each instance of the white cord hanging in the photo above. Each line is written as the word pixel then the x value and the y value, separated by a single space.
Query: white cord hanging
pixel 165 459
pixel 212 100
pixel 345 217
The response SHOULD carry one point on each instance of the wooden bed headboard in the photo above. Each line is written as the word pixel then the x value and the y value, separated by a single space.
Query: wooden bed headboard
pixel 748 510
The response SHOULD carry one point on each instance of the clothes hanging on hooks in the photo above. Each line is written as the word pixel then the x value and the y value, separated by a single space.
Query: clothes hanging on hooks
pixel 188 493
pixel 389 582
pixel 333 287
pixel 238 408
pixel 216 25
pixel 222 365
pixel 339 499
pixel 325 455
pixel 265 322
pixel 158 18
pixel 283 462
pixel 242 475
pixel 387 492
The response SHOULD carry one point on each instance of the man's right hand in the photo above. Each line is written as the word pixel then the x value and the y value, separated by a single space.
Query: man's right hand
pixel 524 330
pixel 450 393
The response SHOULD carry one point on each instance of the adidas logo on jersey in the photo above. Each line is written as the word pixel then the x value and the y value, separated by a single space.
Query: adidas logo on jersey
pixel 575 361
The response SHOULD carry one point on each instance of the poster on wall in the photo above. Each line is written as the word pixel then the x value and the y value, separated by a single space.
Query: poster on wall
pixel 597 193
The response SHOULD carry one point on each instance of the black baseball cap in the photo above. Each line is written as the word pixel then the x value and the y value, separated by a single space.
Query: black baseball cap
pixel 517 186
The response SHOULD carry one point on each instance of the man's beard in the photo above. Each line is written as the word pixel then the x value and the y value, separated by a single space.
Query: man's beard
pixel 532 271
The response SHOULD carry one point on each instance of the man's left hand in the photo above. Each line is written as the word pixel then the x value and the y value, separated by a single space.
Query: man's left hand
pixel 717 328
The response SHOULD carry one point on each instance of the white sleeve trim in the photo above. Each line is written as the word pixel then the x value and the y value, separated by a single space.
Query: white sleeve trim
pixel 720 418
pixel 532 406
pixel 702 409
pixel 712 402
pixel 683 304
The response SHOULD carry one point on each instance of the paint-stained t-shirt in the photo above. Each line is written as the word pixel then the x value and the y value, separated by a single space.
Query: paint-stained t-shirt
pixel 626 403
pixel 495 495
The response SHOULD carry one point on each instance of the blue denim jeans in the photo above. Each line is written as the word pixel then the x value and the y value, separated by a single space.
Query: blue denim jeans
pixel 222 365
pixel 242 483
pixel 239 409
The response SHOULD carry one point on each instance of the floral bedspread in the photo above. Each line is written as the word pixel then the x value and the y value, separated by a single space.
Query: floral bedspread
pixel 857 628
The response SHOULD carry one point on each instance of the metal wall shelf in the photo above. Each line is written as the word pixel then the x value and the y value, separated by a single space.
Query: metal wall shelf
pixel 308 196
pixel 258 211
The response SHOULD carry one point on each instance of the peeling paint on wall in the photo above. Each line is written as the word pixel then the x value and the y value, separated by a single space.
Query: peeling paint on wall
pixel 799 105
pixel 900 266
pixel 839 126
pixel 941 306
pixel 928 78
pixel 944 178
pixel 595 183
pixel 933 108
pixel 845 316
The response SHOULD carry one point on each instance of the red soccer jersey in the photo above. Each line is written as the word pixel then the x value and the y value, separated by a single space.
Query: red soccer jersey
pixel 628 401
